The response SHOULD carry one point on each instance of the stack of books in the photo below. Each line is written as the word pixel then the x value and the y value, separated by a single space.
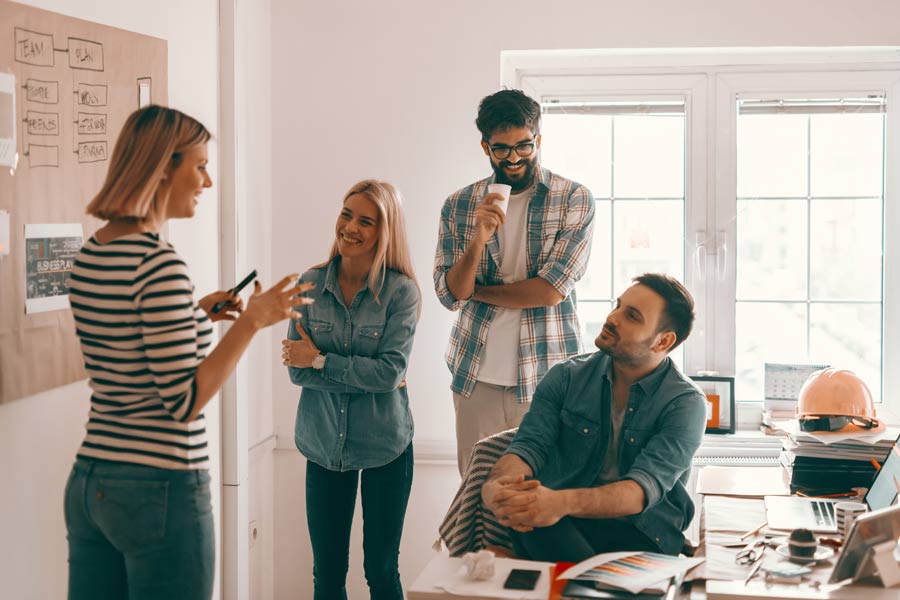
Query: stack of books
pixel 819 466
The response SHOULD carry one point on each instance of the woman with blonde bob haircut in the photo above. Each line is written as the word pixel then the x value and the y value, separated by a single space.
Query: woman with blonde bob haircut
pixel 137 503
pixel 353 420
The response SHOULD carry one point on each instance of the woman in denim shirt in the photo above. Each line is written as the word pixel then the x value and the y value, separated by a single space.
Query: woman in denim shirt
pixel 353 417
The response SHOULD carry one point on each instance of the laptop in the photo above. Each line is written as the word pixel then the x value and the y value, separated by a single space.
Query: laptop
pixel 816 514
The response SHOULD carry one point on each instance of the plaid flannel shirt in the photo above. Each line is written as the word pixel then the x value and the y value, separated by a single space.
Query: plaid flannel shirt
pixel 560 221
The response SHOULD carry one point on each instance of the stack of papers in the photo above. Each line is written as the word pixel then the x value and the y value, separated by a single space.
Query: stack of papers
pixel 823 462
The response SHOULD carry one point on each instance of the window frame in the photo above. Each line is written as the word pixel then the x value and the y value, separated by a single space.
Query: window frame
pixel 711 81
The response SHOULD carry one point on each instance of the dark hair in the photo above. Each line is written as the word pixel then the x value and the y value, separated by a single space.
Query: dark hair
pixel 678 315
pixel 506 110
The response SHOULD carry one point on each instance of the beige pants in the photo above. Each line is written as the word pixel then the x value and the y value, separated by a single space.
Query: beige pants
pixel 489 410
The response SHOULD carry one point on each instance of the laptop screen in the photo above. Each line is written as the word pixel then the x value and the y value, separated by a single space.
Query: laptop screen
pixel 884 489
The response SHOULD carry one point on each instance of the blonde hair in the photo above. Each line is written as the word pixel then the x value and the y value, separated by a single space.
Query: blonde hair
pixel 152 140
pixel 391 248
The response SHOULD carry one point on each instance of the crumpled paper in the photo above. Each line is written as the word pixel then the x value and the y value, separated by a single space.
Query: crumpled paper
pixel 479 565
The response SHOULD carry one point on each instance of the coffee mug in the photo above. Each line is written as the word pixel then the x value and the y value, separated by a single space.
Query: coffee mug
pixel 846 513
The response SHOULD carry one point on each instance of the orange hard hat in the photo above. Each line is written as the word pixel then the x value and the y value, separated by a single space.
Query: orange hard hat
pixel 837 393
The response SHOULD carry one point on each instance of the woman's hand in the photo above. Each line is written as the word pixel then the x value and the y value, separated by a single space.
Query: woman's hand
pixel 299 353
pixel 231 311
pixel 277 303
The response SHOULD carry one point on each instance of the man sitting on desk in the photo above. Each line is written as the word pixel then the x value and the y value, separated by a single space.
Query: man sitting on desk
pixel 601 460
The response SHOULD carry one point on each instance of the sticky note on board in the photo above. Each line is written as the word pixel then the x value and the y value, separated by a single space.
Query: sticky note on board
pixel 7 120
pixel 4 233
pixel 144 92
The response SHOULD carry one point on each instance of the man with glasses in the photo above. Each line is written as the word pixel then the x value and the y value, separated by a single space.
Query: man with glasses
pixel 511 274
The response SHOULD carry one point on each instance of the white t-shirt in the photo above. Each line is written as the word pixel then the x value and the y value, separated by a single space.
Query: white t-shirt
pixel 500 357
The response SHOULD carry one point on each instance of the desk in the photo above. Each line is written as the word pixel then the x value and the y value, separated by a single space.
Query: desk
pixel 758 588
pixel 444 569
pixel 735 590
pixel 445 572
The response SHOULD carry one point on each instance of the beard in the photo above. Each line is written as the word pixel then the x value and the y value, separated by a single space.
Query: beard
pixel 630 353
pixel 518 183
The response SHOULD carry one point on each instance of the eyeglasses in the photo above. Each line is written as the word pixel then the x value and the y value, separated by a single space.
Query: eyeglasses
pixel 751 553
pixel 524 150
pixel 836 422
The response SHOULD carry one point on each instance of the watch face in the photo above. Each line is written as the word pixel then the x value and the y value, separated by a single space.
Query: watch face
pixel 318 362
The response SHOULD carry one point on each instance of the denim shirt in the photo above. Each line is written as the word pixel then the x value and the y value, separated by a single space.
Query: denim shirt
pixel 564 437
pixel 352 414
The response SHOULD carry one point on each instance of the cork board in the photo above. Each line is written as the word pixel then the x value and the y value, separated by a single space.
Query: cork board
pixel 75 84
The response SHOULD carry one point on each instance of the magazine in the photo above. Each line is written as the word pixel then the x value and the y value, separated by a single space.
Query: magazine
pixel 633 572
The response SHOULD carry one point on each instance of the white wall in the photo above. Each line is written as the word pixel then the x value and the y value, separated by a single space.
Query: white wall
pixel 254 152
pixel 389 89
pixel 40 435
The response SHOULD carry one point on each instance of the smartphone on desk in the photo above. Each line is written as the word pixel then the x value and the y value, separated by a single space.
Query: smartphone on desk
pixel 235 290
pixel 522 579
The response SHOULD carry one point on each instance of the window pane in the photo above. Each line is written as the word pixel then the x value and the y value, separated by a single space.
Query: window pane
pixel 649 237
pixel 771 158
pixel 591 317
pixel 846 154
pixel 649 156
pixel 771 253
pixel 597 280
pixel 847 241
pixel 848 336
pixel 766 332
pixel 579 147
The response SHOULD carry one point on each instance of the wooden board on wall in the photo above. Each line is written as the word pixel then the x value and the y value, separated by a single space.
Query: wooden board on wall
pixel 76 83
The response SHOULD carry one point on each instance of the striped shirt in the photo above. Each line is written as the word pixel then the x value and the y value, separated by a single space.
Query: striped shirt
pixel 469 526
pixel 558 244
pixel 142 336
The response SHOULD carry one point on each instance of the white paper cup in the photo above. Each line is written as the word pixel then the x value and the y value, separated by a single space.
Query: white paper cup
pixel 503 190
pixel 845 513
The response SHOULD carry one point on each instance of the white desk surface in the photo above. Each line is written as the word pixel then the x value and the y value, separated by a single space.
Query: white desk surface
pixel 443 571
pixel 735 590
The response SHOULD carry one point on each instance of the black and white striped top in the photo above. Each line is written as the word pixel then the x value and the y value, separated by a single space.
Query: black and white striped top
pixel 142 336
pixel 469 526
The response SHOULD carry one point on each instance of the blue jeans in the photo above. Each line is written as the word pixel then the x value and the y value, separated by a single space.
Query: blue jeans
pixel 330 502
pixel 138 532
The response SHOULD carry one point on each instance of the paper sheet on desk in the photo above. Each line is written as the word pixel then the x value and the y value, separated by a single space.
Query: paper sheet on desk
pixel 461 585
pixel 792 428
pixel 725 513
pixel 754 482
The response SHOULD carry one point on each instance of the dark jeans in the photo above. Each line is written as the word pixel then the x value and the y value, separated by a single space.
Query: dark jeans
pixel 138 532
pixel 330 501
pixel 574 540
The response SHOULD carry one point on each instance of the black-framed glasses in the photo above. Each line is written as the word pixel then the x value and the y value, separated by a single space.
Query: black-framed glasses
pixel 836 422
pixel 524 150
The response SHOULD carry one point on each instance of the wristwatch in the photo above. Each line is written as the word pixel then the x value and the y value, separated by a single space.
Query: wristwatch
pixel 318 362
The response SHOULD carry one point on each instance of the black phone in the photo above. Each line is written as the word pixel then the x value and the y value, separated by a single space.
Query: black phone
pixel 235 290
pixel 522 579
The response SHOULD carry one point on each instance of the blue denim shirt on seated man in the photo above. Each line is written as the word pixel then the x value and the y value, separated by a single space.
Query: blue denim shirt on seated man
pixel 553 488
pixel 354 413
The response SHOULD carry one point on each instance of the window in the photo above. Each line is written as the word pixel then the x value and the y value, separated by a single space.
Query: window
pixel 631 157
pixel 757 177
pixel 809 236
